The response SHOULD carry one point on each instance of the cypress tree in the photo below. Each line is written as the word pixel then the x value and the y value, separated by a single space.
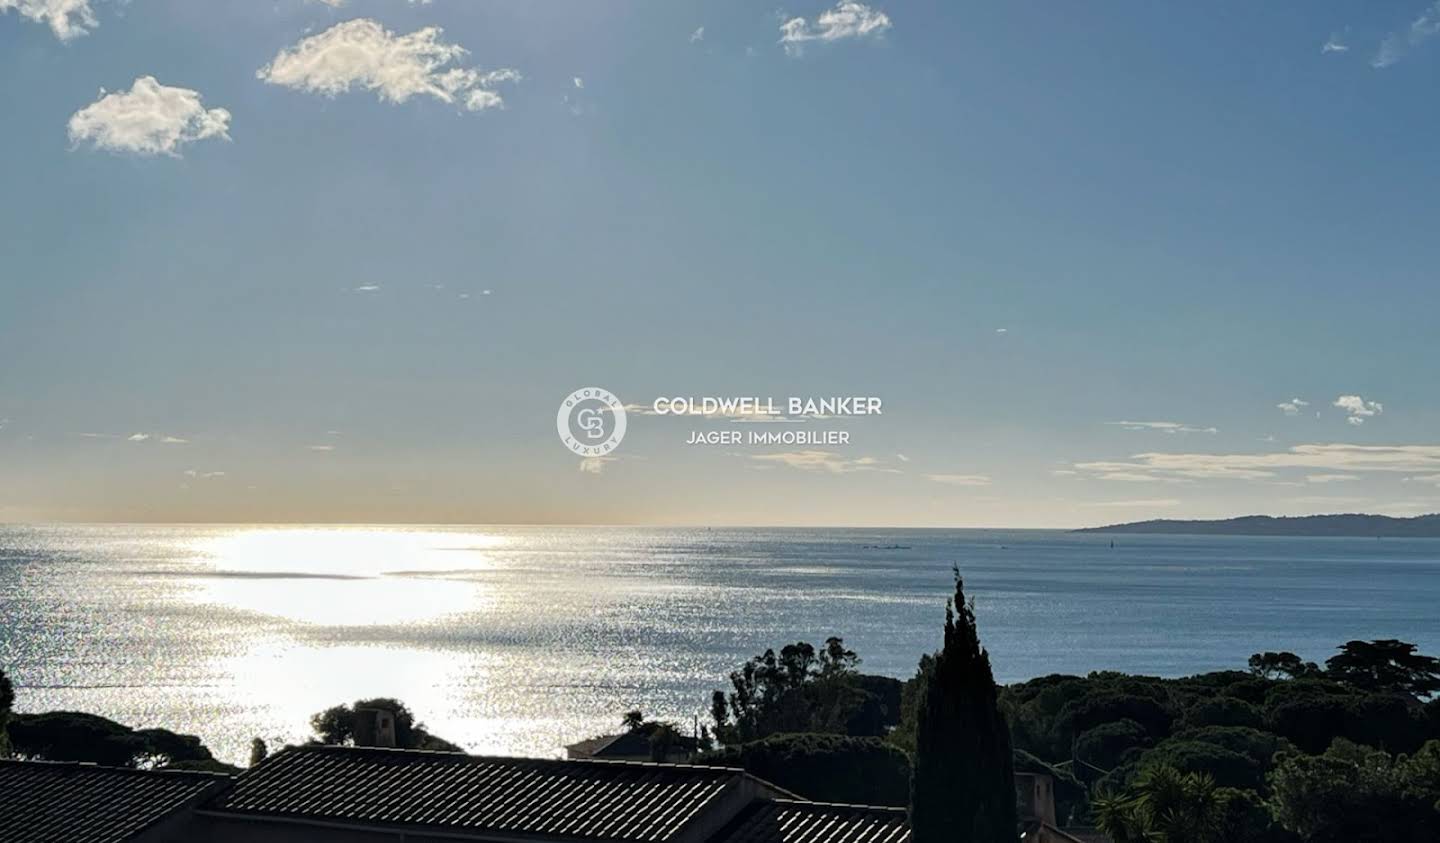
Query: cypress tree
pixel 962 784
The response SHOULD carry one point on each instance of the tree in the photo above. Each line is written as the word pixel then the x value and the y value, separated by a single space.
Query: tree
pixel 800 690
pixel 75 736
pixel 825 768
pixel 1355 794
pixel 633 721
pixel 336 725
pixel 7 699
pixel 1164 805
pixel 962 784
pixel 1385 666
pixel 1281 665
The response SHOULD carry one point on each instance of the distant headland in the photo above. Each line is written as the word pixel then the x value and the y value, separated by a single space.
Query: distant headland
pixel 1421 526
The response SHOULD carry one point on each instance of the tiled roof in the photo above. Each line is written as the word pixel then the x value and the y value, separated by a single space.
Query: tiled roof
pixel 593 800
pixel 784 821
pixel 82 803
pixel 626 745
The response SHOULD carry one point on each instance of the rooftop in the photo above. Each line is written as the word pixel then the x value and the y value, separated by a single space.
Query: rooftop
pixel 590 800
pixel 793 821
pixel 83 803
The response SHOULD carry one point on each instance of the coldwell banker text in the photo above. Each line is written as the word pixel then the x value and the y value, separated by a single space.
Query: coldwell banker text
pixel 758 409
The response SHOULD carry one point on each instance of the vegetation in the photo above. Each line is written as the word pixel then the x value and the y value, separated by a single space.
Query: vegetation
pixel 962 785
pixel 7 699
pixel 804 690
pixel 74 736
pixel 825 768
pixel 336 725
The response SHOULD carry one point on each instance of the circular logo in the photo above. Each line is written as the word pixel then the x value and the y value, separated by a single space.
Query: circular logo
pixel 591 421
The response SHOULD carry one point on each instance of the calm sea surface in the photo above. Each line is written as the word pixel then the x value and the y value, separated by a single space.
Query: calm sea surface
pixel 517 640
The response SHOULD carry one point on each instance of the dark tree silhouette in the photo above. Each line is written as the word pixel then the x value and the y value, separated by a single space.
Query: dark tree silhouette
pixel 7 699
pixel 1385 666
pixel 962 785
pixel 1282 665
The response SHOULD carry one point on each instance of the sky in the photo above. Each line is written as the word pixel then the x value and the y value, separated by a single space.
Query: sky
pixel 314 260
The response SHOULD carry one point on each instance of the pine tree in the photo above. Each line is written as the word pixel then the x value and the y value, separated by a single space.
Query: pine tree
pixel 962 784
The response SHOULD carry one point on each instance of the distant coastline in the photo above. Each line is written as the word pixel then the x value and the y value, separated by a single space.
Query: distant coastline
pixel 1348 525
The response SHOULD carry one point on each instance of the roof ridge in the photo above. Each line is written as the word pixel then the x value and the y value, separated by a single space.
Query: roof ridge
pixel 809 803
pixel 91 765
pixel 507 759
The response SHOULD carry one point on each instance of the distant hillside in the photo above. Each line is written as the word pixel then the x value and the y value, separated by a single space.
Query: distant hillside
pixel 1422 526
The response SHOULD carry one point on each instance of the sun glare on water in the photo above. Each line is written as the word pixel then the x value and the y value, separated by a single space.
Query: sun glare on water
pixel 346 576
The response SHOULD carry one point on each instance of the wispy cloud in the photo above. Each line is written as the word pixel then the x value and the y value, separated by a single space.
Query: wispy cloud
pixel 1292 407
pixel 1149 503
pixel 1330 478
pixel 323 449
pixel 193 474
pixel 1334 44
pixel 595 465
pixel 66 18
pixel 698 35
pixel 148 119
pixel 363 54
pixel 825 461
pixel 366 288
pixel 1398 44
pixel 1358 408
pixel 1163 426
pixel 849 19
pixel 960 479
pixel 1332 458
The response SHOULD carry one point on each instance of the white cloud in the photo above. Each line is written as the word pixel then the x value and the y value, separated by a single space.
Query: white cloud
pixel 204 475
pixel 902 458
pixel 1330 478
pixel 595 465
pixel 1358 408
pixel 1335 458
pixel 579 82
pixel 1292 407
pixel 1002 330
pixel 66 18
pixel 148 119
pixel 1334 44
pixel 827 461
pixel 960 479
pixel 367 288
pixel 323 449
pixel 336 4
pixel 1398 44
pixel 361 53
pixel 698 35
pixel 1163 426
pixel 849 19
pixel 1151 503
pixel 139 437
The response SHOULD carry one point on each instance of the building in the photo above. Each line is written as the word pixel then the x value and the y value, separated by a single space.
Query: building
pixel 330 794
pixel 83 803
pixel 633 746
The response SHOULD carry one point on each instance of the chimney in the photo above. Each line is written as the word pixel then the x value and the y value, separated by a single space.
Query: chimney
pixel 374 727
pixel 1035 797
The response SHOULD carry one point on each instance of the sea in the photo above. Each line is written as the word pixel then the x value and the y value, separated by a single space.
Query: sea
pixel 516 640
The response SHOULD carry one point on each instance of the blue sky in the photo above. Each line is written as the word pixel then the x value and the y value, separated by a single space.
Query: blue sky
pixel 357 291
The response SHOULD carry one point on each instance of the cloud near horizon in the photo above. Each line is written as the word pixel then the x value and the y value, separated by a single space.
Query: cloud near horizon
pixel 363 54
pixel 148 119
pixel 1163 426
pixel 1333 458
